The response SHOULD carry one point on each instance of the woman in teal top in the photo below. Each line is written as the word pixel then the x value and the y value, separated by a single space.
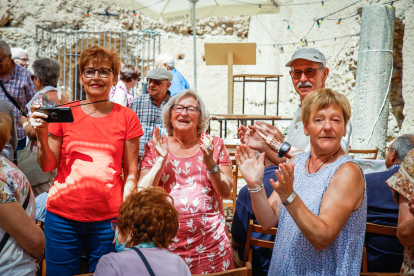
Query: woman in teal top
pixel 319 204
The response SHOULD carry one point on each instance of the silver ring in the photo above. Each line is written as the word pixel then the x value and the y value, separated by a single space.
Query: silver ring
pixel 209 147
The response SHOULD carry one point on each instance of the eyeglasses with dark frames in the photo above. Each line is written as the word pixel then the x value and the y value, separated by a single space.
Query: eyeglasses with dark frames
pixel 103 72
pixel 1 59
pixel 309 73
pixel 33 77
pixel 156 82
pixel 178 108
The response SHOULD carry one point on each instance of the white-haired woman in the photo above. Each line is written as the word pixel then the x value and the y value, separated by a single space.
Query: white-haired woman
pixel 195 169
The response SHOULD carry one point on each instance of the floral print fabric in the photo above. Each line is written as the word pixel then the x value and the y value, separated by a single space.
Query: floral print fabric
pixel 202 239
pixel 402 182
pixel 14 186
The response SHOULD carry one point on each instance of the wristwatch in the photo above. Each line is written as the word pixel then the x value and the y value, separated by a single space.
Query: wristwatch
pixel 289 199
pixel 214 169
pixel 285 147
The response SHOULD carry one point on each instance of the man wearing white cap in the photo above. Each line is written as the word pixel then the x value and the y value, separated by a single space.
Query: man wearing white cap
pixel 308 73
pixel 148 107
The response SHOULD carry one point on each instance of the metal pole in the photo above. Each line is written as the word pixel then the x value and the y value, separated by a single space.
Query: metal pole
pixel 195 45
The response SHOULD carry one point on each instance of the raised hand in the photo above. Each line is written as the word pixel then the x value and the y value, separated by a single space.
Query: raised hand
pixel 284 184
pixel 251 168
pixel 271 135
pixel 39 124
pixel 160 142
pixel 242 131
pixel 207 147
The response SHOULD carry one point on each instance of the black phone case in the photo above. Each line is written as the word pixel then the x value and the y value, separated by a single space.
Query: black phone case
pixel 57 114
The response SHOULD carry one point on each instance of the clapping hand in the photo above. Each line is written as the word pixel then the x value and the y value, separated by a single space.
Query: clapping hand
pixel 271 135
pixel 251 168
pixel 160 142
pixel 207 147
pixel 284 184
pixel 251 138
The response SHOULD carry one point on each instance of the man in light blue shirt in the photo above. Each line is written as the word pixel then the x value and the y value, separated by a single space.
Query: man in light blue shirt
pixel 178 82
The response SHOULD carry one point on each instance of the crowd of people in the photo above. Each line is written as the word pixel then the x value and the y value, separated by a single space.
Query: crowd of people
pixel 131 181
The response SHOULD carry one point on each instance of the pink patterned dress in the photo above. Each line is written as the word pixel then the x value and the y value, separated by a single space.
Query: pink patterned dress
pixel 202 239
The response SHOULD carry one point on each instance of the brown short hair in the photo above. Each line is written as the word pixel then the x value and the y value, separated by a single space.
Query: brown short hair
pixel 6 124
pixel 150 217
pixel 322 98
pixel 98 54
pixel 129 72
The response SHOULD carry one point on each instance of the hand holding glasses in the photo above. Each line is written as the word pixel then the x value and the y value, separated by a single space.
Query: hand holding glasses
pixel 103 72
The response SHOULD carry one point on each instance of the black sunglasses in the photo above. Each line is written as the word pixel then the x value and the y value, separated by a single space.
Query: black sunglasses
pixel 33 77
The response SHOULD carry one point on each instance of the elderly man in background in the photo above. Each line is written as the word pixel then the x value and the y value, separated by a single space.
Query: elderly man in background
pixel 20 56
pixel 385 253
pixel 148 107
pixel 18 83
pixel 308 73
pixel 178 82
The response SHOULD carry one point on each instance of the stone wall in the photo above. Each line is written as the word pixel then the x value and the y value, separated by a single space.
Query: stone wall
pixel 275 45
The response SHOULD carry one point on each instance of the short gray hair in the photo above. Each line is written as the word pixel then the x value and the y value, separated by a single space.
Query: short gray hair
pixel 5 47
pixel 16 52
pixel 166 111
pixel 47 70
pixel 403 145
pixel 165 58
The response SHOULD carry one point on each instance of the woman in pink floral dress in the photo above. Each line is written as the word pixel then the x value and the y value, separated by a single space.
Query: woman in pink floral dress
pixel 195 169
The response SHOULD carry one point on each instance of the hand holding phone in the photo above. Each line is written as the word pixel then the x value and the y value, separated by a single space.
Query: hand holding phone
pixel 57 114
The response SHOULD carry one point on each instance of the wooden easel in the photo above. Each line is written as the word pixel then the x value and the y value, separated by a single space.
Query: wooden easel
pixel 230 54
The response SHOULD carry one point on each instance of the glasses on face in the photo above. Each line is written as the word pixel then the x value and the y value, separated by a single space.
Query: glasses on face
pixel 1 59
pixel 156 82
pixel 33 77
pixel 309 73
pixel 178 108
pixel 388 149
pixel 103 72
pixel 24 60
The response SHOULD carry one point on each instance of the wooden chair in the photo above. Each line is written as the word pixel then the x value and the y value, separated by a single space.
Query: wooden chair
pixel 256 242
pixel 243 271
pixel 382 230
pixel 233 196
pixel 370 151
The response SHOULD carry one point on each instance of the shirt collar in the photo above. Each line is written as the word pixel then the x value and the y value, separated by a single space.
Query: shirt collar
pixel 164 101
pixel 393 166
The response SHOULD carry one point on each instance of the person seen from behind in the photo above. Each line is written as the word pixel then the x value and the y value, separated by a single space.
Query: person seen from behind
pixel 148 222
pixel 130 76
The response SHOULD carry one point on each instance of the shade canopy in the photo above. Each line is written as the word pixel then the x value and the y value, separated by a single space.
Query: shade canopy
pixel 180 10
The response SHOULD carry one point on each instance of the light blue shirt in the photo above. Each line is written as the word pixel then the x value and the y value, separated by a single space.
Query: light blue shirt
pixel 178 83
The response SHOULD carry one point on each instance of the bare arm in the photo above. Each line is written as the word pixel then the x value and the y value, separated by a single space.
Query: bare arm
pixel 130 165
pixel 221 180
pixel 344 195
pixel 25 123
pixel 15 221
pixel 405 228
pixel 152 177
pixel 266 210
pixel 48 146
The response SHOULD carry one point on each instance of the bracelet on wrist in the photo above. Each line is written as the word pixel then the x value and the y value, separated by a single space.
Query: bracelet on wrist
pixel 255 190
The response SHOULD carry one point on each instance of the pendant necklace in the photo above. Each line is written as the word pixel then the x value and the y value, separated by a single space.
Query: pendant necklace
pixel 323 162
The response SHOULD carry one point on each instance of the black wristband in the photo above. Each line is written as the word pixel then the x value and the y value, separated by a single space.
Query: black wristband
pixel 285 147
